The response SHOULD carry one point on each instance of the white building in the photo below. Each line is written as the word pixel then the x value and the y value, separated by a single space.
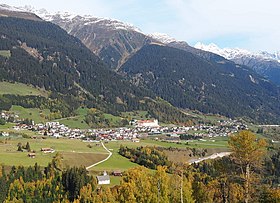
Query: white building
pixel 147 123
pixel 103 180
pixel 5 134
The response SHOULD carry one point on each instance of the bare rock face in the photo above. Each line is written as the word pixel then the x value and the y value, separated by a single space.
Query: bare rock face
pixel 112 40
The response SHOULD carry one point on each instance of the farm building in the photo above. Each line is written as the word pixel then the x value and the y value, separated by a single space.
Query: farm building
pixel 32 155
pixel 117 173
pixel 47 150
pixel 103 180
pixel 135 140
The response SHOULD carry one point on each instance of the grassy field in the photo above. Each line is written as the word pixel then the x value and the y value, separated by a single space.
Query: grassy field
pixel 75 152
pixel 7 126
pixel 79 120
pixel 5 53
pixel 76 121
pixel 15 133
pixel 185 155
pixel 219 142
pixel 114 120
pixel 37 115
pixel 117 162
pixel 115 180
pixel 81 159
pixel 211 118
pixel 20 89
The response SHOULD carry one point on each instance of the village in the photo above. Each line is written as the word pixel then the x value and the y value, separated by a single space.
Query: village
pixel 135 132
pixel 137 129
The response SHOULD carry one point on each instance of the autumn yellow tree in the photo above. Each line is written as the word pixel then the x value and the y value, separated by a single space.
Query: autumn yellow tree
pixel 57 161
pixel 247 153
pixel 270 195
pixel 180 188
pixel 160 183
pixel 137 185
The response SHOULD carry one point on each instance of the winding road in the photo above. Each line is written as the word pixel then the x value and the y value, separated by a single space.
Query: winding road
pixel 110 154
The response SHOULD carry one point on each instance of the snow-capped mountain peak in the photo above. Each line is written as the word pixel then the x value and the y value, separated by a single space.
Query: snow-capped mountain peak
pixel 67 16
pixel 233 53
pixel 85 19
pixel 11 8
pixel 163 38
pixel 275 55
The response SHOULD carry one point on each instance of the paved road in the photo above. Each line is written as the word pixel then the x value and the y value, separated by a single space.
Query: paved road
pixel 110 154
pixel 213 156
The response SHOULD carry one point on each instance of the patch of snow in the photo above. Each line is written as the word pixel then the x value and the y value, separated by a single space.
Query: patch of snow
pixel 66 16
pixel 86 20
pixel 163 38
pixel 233 53
pixel 11 8
pixel 252 79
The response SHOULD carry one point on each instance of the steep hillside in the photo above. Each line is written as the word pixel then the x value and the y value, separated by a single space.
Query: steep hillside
pixel 187 81
pixel 264 63
pixel 113 41
pixel 44 55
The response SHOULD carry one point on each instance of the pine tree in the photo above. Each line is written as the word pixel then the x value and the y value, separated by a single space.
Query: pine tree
pixel 19 147
pixel 27 147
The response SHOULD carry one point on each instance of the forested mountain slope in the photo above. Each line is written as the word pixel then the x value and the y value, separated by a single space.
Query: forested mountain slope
pixel 187 81
pixel 44 55
pixel 264 63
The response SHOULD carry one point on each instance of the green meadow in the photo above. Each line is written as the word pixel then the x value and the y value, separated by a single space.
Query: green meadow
pixel 218 142
pixel 74 152
pixel 21 89
pixel 5 53
pixel 37 115
pixel 76 121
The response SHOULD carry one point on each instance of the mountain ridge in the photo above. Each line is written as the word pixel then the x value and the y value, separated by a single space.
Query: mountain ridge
pixel 265 63
pixel 17 12
pixel 231 53
pixel 188 81
pixel 44 55
pixel 123 50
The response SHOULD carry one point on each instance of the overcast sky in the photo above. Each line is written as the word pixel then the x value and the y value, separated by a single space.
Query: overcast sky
pixel 248 24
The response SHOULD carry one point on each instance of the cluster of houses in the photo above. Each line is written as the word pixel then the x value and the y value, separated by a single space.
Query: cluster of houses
pixel 223 128
pixel 7 116
pixel 142 128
